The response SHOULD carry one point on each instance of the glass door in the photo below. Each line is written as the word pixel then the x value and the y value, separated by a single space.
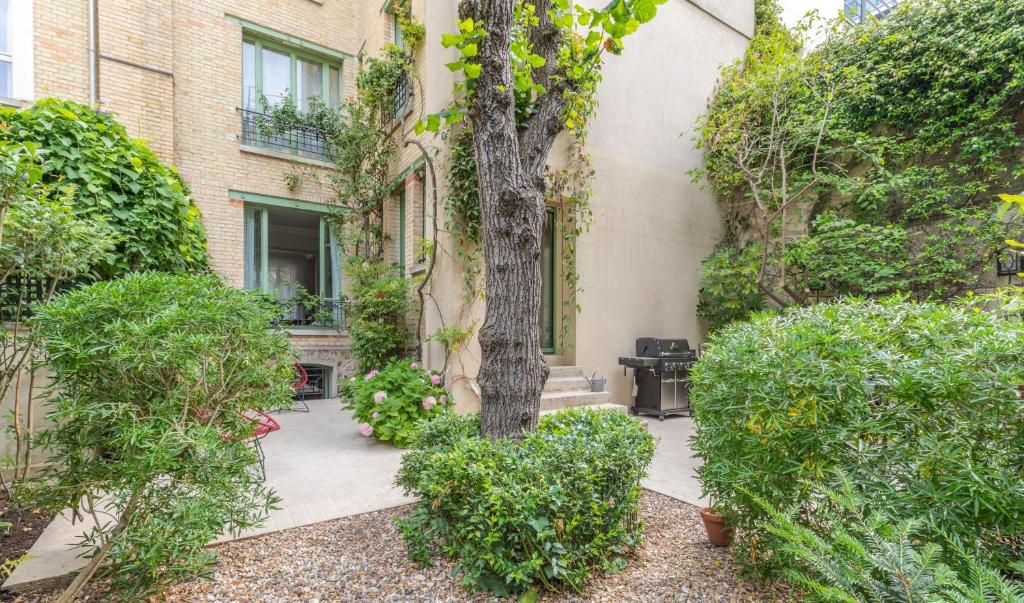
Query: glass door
pixel 547 272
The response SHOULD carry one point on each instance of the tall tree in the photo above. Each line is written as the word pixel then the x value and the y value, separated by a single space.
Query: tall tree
pixel 530 70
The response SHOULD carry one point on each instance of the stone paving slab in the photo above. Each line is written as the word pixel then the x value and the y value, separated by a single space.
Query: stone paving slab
pixel 322 468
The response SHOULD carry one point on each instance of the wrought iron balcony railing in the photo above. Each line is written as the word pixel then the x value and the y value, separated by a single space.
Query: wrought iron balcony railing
pixel 860 10
pixel 327 313
pixel 400 102
pixel 259 130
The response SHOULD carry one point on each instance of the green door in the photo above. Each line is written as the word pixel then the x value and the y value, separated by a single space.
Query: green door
pixel 547 271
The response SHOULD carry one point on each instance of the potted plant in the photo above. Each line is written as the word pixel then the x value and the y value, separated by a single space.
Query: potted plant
pixel 718 533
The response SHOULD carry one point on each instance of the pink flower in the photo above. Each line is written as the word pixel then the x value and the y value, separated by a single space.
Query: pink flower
pixel 376 415
pixel 435 379
pixel 429 402
pixel 415 365
pixel 366 429
pixel 377 397
pixel 370 375
pixel 442 400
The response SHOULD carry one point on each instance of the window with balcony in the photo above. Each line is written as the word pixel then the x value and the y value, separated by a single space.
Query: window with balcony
pixel 271 73
pixel 293 255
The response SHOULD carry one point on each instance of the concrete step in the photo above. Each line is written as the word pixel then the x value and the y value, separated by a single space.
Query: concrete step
pixel 558 372
pixel 560 400
pixel 577 383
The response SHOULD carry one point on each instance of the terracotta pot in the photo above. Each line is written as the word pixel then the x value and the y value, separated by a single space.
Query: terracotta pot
pixel 718 534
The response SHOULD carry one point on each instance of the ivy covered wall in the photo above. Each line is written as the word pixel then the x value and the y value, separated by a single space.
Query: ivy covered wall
pixel 869 164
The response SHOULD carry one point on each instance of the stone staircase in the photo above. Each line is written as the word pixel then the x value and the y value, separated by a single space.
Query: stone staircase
pixel 567 387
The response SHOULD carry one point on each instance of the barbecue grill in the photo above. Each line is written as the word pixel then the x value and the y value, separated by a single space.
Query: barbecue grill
pixel 661 371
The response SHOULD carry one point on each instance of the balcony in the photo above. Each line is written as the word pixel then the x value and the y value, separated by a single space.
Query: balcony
pixel 259 130
pixel 302 314
pixel 858 11
pixel 399 104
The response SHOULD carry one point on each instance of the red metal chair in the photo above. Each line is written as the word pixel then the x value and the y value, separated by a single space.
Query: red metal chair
pixel 299 383
pixel 265 425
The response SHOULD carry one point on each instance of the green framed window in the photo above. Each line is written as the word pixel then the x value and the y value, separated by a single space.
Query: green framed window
pixel 293 255
pixel 548 284
pixel 401 229
pixel 271 72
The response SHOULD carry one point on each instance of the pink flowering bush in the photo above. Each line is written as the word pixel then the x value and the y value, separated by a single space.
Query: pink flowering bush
pixel 389 402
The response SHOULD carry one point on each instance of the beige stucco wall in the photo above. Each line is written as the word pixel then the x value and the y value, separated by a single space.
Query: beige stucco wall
pixel 652 225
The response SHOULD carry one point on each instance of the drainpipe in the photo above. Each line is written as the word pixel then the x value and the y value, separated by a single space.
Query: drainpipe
pixel 94 75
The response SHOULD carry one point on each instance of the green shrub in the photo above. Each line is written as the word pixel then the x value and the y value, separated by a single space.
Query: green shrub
pixel 144 201
pixel 917 403
pixel 849 551
pixel 728 286
pixel 377 307
pixel 545 511
pixel 389 403
pixel 154 373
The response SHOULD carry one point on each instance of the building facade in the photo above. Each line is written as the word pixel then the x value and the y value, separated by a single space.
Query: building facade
pixel 193 77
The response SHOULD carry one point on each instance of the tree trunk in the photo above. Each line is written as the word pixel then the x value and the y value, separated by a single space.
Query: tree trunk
pixel 513 371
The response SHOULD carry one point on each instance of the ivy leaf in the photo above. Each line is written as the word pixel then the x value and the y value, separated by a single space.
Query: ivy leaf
pixel 535 60
pixel 472 71
pixel 469 50
pixel 645 10
pixel 449 40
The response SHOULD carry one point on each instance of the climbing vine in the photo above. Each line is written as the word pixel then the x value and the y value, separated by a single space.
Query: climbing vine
pixel 868 164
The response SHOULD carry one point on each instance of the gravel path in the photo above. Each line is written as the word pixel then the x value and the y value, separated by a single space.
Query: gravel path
pixel 363 558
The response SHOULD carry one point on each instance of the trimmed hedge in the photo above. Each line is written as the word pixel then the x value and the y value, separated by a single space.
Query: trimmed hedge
pixel 917 403
pixel 546 511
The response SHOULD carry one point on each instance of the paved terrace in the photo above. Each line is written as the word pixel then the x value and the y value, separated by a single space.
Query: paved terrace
pixel 323 468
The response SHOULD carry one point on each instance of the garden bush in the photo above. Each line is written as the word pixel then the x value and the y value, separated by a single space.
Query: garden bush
pixel 850 552
pixel 377 306
pixel 917 403
pixel 143 200
pixel 546 511
pixel 154 375
pixel 390 402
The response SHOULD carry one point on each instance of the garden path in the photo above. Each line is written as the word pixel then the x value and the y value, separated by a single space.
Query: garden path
pixel 323 468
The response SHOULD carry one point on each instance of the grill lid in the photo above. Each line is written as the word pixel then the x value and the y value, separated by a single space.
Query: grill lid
pixel 657 347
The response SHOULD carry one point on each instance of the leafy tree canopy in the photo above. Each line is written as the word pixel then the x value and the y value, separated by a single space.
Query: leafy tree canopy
pixel 118 179
pixel 907 126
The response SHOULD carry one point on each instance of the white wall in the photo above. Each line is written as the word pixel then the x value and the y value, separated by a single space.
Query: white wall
pixel 652 225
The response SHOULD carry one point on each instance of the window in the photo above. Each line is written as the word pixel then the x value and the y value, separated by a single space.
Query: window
pixel 400 192
pixel 292 254
pixel 860 10
pixel 421 211
pixel 547 270
pixel 6 51
pixel 271 73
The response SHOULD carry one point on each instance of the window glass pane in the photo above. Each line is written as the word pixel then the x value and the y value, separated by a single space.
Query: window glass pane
pixel 5 80
pixel 547 269
pixel 5 27
pixel 310 83
pixel 249 95
pixel 253 248
pixel 335 85
pixel 293 259
pixel 277 75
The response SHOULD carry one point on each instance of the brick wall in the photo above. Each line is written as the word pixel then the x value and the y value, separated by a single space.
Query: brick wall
pixel 172 72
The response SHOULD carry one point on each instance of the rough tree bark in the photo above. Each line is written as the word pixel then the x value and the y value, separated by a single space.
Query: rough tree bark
pixel 510 163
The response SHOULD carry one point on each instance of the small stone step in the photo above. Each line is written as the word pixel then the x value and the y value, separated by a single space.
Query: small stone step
pixel 558 372
pixel 560 400
pixel 576 383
